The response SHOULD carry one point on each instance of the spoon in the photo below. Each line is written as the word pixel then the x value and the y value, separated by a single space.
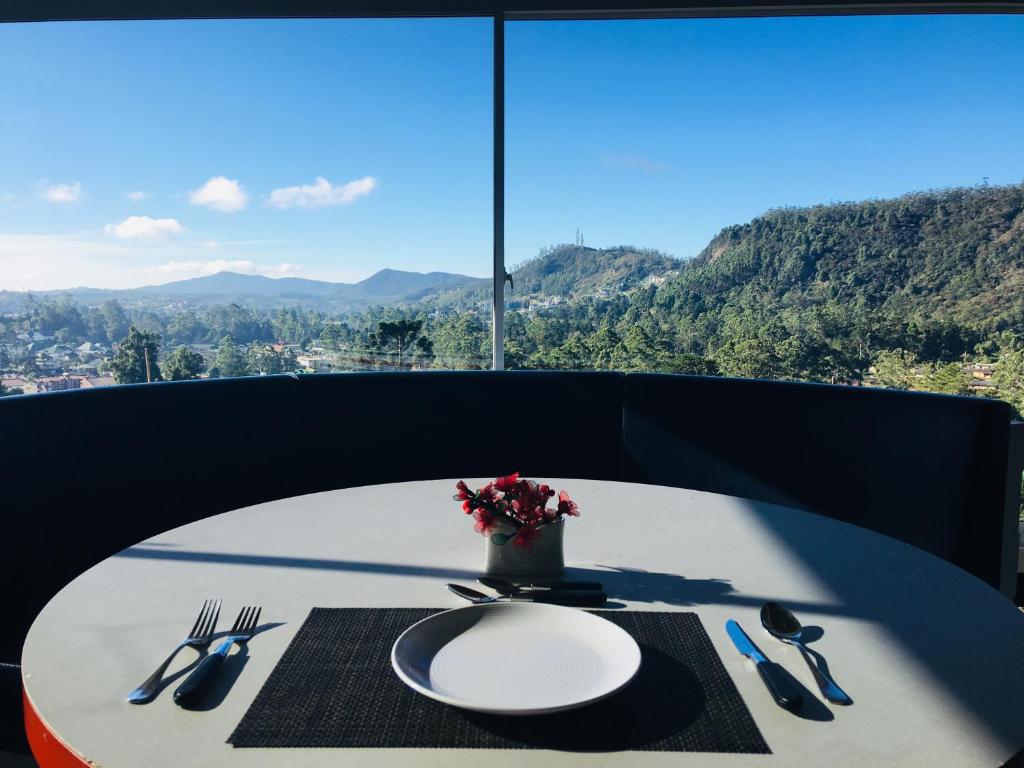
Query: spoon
pixel 784 626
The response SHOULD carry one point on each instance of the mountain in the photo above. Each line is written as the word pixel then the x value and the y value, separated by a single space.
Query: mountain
pixel 574 272
pixel 386 287
pixel 233 284
pixel 954 256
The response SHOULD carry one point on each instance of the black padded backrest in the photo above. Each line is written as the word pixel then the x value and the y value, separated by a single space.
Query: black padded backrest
pixel 391 427
pixel 88 473
pixel 12 718
pixel 927 469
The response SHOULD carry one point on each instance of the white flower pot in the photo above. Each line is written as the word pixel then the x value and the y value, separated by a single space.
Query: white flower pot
pixel 544 558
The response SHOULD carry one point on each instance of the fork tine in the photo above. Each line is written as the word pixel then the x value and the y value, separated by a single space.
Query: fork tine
pixel 255 620
pixel 238 622
pixel 211 620
pixel 199 618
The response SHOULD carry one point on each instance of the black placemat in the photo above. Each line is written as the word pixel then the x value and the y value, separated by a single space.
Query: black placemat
pixel 334 687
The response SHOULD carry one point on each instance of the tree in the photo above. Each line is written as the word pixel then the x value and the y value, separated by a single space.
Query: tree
pixel 396 335
pixel 229 361
pixel 459 340
pixel 335 335
pixel 183 364
pixel 263 359
pixel 129 363
pixel 115 321
pixel 1009 377
pixel 895 369
pixel 948 379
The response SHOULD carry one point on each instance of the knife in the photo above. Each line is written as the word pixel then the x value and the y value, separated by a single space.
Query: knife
pixel 775 677
pixel 580 598
pixel 508 588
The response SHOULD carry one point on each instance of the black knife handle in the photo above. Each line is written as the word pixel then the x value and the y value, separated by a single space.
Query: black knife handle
pixel 189 691
pixel 780 686
pixel 593 586
pixel 579 598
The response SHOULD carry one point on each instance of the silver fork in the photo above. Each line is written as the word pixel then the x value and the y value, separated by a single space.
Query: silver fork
pixel 200 635
pixel 243 629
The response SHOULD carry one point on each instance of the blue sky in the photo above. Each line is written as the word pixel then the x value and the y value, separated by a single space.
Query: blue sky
pixel 143 152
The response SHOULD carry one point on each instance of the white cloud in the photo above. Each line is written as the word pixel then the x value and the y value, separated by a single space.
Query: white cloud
pixel 321 193
pixel 60 193
pixel 196 268
pixel 138 196
pixel 94 258
pixel 220 194
pixel 144 228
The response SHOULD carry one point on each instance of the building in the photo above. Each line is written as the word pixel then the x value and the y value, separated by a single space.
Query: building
pixel 17 382
pixel 58 383
pixel 314 363
pixel 97 381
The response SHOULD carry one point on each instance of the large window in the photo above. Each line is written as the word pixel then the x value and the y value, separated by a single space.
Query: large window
pixel 835 199
pixel 185 199
pixel 825 199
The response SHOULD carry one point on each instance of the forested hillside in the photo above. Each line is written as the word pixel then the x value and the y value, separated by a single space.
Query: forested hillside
pixel 951 256
pixel 897 291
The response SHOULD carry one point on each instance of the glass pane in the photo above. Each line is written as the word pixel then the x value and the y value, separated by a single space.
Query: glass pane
pixel 250 197
pixel 825 199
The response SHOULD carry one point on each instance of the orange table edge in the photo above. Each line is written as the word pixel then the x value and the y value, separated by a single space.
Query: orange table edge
pixel 48 750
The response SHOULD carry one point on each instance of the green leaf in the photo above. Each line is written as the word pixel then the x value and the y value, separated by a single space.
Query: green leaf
pixel 499 538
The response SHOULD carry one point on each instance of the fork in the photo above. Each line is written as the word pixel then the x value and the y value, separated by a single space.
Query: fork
pixel 241 631
pixel 199 636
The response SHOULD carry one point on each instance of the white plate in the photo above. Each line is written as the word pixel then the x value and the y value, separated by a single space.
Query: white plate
pixel 515 658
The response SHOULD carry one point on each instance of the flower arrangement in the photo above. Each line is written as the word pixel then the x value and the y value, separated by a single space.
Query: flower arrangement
pixel 514 504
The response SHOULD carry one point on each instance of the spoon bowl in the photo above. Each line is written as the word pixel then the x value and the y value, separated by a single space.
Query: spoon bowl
pixel 780 622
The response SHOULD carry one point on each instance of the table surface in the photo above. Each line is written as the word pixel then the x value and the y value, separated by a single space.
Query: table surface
pixel 932 657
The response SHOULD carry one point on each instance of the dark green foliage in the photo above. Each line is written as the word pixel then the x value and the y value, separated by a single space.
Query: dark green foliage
pixel 183 364
pixel 230 361
pixel 129 363
pixel 396 336
pixel 263 359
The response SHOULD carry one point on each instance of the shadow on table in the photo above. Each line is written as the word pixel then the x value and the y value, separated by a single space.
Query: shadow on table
pixel 168 552
pixel 599 727
pixel 222 683
pixel 640 586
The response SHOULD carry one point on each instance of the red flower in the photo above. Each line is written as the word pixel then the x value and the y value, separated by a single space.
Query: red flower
pixel 506 483
pixel 467 506
pixel 462 491
pixel 484 522
pixel 524 538
pixel 488 494
pixel 567 506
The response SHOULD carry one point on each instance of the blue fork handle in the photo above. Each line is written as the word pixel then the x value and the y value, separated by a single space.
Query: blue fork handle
pixel 192 688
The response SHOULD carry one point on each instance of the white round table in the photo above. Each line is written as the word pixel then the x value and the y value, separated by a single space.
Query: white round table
pixel 932 657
